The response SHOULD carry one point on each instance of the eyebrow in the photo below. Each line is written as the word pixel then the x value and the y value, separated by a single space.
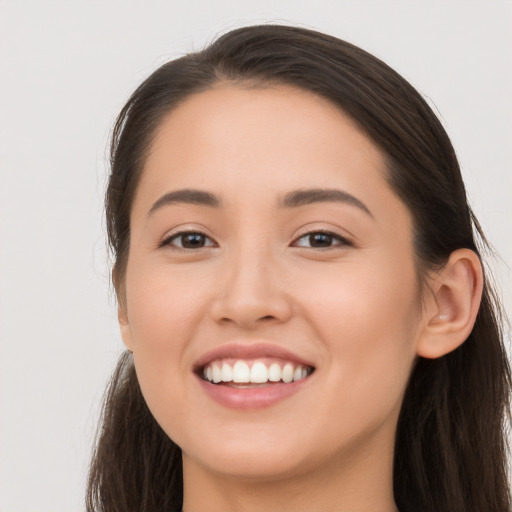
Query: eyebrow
pixel 293 199
pixel 187 196
pixel 321 195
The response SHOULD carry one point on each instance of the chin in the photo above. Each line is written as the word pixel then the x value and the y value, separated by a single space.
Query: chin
pixel 250 463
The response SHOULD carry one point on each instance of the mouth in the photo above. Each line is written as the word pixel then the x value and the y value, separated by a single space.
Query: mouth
pixel 252 376
pixel 243 373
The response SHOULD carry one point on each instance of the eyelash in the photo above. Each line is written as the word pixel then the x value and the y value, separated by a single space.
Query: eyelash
pixel 168 241
pixel 341 241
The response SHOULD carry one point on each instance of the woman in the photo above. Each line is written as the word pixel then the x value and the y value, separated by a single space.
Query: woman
pixel 300 292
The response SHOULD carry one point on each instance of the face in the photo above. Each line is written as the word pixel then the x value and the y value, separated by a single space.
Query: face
pixel 272 301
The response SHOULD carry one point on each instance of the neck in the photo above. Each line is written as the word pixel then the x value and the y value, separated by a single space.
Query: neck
pixel 348 483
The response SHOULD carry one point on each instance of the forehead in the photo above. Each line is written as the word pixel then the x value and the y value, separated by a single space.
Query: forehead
pixel 226 113
pixel 272 130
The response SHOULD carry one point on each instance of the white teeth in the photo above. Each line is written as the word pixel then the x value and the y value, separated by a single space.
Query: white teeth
pixel 274 373
pixel 226 372
pixel 216 374
pixel 241 372
pixel 287 373
pixel 259 373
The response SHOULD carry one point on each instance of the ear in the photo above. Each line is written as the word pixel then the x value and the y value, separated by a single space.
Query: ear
pixel 124 326
pixel 122 313
pixel 452 308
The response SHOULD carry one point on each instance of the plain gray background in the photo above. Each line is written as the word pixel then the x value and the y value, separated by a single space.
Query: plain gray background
pixel 66 68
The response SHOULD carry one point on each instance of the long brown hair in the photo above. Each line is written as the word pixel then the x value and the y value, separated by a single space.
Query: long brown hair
pixel 450 451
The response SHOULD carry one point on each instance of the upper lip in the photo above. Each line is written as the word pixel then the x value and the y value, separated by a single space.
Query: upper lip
pixel 250 351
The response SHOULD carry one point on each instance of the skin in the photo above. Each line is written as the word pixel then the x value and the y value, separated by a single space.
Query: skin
pixel 353 308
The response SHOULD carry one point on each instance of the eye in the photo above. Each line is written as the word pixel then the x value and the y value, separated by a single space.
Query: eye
pixel 321 240
pixel 188 240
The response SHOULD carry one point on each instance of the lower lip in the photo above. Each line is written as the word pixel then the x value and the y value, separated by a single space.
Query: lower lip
pixel 251 398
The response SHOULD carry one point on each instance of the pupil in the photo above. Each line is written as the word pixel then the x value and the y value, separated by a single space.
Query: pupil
pixel 193 240
pixel 320 240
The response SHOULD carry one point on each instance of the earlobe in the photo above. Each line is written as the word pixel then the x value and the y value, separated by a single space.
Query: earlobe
pixel 124 327
pixel 453 306
pixel 122 314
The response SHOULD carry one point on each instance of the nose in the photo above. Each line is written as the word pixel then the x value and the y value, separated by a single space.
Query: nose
pixel 251 292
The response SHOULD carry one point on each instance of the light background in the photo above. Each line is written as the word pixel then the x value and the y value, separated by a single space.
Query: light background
pixel 66 68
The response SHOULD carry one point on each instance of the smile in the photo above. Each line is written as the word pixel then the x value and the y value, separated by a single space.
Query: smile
pixel 231 373
pixel 251 377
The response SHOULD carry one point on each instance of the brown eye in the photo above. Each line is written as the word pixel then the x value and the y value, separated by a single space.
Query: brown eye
pixel 189 240
pixel 320 240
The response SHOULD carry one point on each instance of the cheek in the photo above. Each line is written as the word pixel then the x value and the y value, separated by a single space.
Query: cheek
pixel 361 296
pixel 164 305
pixel 366 317
pixel 164 310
